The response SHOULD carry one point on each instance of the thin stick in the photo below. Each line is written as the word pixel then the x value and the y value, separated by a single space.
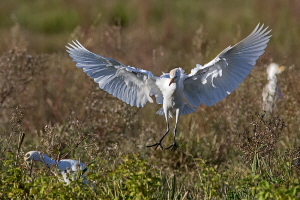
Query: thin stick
pixel 77 144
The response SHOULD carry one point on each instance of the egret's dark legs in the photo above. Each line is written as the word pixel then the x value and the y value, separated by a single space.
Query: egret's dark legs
pixel 159 143
pixel 174 145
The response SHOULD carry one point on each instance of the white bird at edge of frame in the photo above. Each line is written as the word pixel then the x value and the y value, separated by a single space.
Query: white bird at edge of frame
pixel 271 90
pixel 65 166
pixel 206 84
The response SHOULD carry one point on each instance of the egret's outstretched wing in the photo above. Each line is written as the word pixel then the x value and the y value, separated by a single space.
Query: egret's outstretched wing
pixel 131 85
pixel 212 82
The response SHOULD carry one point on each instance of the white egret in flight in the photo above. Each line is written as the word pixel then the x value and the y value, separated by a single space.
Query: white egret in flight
pixel 206 84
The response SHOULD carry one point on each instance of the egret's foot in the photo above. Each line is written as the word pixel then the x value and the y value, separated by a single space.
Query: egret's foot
pixel 173 147
pixel 156 145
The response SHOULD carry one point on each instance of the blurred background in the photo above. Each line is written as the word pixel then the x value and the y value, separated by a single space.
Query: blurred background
pixel 46 97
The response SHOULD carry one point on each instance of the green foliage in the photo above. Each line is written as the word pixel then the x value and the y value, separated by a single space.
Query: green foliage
pixel 210 181
pixel 260 188
pixel 47 104
pixel 138 182
pixel 271 190
pixel 46 17
pixel 132 177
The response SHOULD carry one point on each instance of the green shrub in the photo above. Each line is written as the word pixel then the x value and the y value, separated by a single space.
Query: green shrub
pixel 45 17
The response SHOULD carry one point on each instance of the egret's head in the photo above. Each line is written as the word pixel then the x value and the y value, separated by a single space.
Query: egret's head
pixel 274 69
pixel 32 155
pixel 174 75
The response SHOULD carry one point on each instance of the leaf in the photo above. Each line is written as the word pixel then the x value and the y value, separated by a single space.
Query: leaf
pixel 268 170
pixel 173 187
pixel 254 164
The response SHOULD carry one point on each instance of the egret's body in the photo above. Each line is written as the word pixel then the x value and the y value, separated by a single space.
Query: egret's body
pixel 65 165
pixel 271 88
pixel 206 84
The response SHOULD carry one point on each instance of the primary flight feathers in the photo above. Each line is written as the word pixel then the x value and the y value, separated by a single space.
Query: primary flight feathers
pixel 206 84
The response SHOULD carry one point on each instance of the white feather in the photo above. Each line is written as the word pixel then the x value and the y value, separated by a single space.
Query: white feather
pixel 218 78
pixel 131 85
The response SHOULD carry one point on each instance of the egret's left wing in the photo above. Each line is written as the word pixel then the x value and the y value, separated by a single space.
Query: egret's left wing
pixel 131 85
pixel 212 82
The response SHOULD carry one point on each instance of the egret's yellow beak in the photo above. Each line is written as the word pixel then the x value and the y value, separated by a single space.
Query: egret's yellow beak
pixel 282 68
pixel 171 81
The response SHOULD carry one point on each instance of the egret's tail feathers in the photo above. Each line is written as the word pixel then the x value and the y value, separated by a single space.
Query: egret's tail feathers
pixel 187 109
pixel 160 111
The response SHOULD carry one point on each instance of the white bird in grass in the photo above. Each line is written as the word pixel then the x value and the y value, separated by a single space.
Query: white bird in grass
pixel 66 166
pixel 206 84
pixel 271 89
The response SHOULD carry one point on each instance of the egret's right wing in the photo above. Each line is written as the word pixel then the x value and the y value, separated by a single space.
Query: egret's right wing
pixel 131 85
pixel 212 82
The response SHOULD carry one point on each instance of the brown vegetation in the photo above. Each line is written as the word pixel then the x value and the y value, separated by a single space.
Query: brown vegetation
pixel 61 107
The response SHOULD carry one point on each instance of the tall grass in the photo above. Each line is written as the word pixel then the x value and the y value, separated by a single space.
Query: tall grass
pixel 229 151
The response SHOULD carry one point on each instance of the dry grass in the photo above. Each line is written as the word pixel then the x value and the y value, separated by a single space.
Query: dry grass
pixel 61 107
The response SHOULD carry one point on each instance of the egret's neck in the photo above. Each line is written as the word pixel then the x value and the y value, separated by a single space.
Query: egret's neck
pixel 272 72
pixel 47 160
pixel 272 77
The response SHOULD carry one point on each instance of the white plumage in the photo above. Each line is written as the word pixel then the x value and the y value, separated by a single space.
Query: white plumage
pixel 206 84
pixel 65 166
pixel 271 88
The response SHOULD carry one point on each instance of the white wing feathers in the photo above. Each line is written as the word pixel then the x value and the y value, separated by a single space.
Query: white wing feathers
pixel 131 85
pixel 212 82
